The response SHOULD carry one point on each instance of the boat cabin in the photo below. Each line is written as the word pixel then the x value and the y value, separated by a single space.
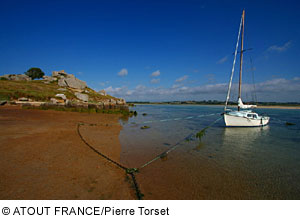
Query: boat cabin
pixel 252 115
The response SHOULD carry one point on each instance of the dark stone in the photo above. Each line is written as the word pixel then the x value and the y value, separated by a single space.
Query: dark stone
pixel 3 102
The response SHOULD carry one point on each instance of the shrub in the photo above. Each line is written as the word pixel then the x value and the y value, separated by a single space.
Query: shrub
pixel 35 73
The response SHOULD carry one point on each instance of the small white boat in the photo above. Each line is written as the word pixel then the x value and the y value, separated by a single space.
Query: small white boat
pixel 245 118
pixel 242 118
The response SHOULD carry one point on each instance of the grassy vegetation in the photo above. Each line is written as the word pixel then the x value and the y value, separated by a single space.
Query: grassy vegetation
pixel 37 90
pixel 96 97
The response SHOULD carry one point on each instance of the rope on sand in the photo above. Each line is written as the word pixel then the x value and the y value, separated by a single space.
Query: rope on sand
pixel 198 135
pixel 132 171
pixel 129 171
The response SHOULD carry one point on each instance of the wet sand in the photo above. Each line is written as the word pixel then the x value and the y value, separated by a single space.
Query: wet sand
pixel 43 157
pixel 183 174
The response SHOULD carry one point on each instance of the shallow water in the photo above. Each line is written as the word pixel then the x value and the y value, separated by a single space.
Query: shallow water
pixel 228 163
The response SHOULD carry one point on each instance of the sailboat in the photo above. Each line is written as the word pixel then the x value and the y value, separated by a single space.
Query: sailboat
pixel 244 116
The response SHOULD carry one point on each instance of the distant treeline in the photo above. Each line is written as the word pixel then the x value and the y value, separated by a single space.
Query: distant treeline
pixel 215 102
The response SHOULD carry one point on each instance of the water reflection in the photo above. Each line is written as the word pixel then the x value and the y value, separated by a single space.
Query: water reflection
pixel 244 137
pixel 240 147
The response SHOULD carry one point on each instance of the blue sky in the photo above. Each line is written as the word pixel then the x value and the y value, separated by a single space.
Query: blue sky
pixel 156 50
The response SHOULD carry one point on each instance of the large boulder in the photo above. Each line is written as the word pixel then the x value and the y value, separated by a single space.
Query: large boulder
pixel 49 78
pixel 105 102
pixel 63 96
pixel 75 83
pixel 53 101
pixel 102 92
pixel 62 83
pixel 59 74
pixel 3 102
pixel 16 77
pixel 68 80
pixel 82 97
pixel 112 101
pixel 23 99
pixel 121 101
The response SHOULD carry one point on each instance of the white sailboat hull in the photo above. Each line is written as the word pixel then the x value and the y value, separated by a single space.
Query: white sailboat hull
pixel 240 121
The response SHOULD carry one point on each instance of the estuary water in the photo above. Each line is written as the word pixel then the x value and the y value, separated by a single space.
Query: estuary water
pixel 228 163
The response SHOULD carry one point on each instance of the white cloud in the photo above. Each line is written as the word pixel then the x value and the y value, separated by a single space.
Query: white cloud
pixel 154 81
pixel 282 48
pixel 140 87
pixel 123 72
pixel 129 92
pixel 175 86
pixel 181 79
pixel 278 89
pixel 222 60
pixel 156 73
pixel 117 90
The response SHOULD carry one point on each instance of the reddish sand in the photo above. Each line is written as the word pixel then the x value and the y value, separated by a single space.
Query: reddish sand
pixel 43 157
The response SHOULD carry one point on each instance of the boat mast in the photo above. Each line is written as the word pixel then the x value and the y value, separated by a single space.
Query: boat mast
pixel 241 57
pixel 233 65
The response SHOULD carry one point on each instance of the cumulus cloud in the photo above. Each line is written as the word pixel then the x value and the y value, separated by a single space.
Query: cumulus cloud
pixel 112 90
pixel 282 48
pixel 140 87
pixel 156 73
pixel 181 79
pixel 278 89
pixel 222 60
pixel 175 86
pixel 154 81
pixel 123 72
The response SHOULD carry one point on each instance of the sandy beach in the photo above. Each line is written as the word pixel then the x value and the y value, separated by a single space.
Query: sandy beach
pixel 43 157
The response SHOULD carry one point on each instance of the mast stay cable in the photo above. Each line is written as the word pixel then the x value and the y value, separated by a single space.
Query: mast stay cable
pixel 234 60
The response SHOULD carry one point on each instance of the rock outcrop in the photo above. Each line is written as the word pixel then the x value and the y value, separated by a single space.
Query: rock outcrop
pixel 68 80
pixel 49 78
pixel 102 92
pixel 16 77
pixel 62 83
pixel 70 93
pixel 3 102
pixel 121 101
pixel 63 96
pixel 75 83
pixel 82 97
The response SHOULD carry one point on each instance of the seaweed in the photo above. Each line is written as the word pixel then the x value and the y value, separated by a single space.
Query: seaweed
pixel 289 123
pixel 201 133
pixel 134 113
pixel 164 156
